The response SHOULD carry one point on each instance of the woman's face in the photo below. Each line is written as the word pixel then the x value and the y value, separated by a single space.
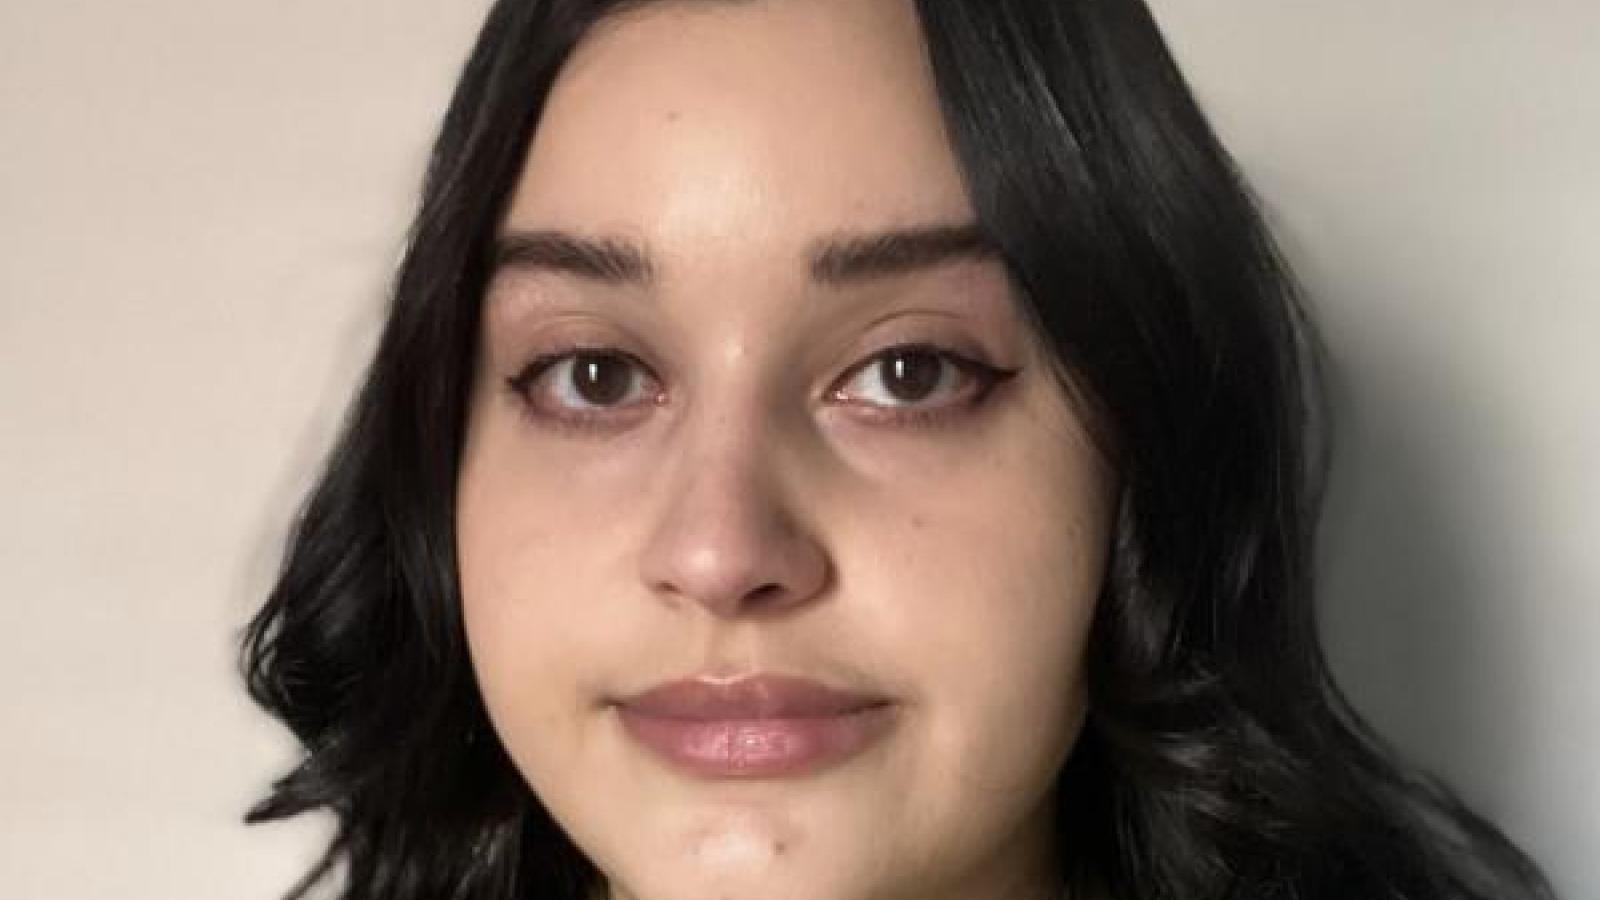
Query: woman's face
pixel 778 537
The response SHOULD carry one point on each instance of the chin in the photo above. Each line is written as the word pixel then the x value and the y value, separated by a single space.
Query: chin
pixel 755 846
pixel 739 873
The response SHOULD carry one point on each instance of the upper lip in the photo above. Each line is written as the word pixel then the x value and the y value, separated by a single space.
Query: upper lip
pixel 749 697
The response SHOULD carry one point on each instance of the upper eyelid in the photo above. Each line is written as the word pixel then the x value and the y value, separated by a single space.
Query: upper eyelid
pixel 920 346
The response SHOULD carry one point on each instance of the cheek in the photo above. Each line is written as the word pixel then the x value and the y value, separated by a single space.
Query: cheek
pixel 531 605
pixel 995 595
pixel 1001 637
pixel 513 630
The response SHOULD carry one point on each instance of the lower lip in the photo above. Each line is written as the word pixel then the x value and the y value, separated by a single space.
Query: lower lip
pixel 757 748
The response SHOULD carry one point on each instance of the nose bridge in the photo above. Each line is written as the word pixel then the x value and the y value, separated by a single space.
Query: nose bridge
pixel 728 535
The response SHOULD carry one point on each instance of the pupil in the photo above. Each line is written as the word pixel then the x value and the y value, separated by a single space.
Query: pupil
pixel 912 375
pixel 601 380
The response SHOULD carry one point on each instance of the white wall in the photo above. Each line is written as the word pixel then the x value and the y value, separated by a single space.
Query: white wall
pixel 1433 169
pixel 199 204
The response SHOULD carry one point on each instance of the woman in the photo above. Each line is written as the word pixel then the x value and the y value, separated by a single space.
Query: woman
pixel 836 449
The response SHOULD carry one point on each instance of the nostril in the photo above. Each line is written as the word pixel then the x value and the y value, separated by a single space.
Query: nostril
pixel 764 594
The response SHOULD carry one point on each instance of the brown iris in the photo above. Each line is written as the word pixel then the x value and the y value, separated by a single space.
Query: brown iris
pixel 911 375
pixel 601 379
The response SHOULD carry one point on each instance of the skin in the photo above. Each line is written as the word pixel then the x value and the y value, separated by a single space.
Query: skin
pixel 753 504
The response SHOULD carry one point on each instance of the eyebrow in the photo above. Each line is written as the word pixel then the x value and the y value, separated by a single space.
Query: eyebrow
pixel 608 260
pixel 835 261
pixel 851 258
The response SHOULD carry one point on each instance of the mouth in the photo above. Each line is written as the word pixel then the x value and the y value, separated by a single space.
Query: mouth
pixel 760 726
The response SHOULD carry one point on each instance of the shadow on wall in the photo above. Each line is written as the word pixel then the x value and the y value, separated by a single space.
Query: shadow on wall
pixel 1418 602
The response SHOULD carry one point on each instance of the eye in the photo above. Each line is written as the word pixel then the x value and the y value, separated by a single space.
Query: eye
pixel 594 389
pixel 917 377
pixel 581 386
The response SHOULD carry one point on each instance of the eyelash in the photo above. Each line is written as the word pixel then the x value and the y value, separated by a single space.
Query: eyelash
pixel 602 419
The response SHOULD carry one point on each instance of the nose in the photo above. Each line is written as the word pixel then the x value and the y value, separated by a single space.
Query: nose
pixel 729 540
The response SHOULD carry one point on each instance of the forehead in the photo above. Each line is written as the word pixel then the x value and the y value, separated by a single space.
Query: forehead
pixel 704 124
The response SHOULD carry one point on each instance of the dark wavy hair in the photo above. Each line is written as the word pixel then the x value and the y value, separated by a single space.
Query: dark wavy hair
pixel 1219 760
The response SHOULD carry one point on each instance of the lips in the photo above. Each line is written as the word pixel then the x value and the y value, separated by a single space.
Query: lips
pixel 758 726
